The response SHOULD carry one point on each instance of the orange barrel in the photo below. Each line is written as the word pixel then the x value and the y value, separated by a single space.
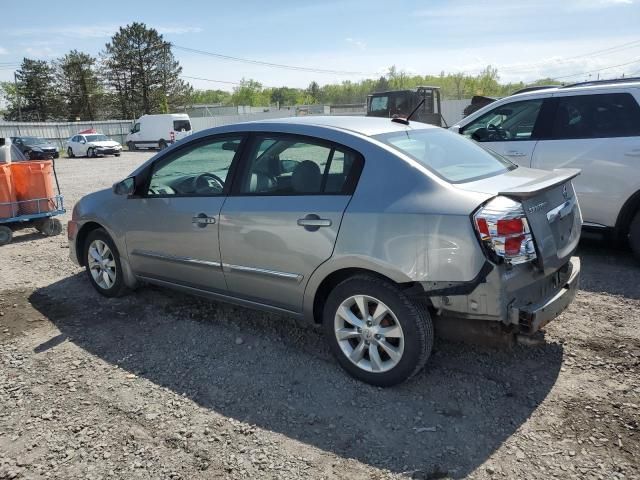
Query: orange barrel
pixel 33 182
pixel 7 192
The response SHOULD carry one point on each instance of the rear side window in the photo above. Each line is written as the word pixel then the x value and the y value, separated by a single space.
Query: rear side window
pixel 509 122
pixel 596 116
pixel 181 125
pixel 449 155
pixel 293 165
pixel 379 104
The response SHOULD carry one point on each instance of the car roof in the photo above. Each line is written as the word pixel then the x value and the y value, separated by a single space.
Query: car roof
pixel 580 88
pixel 363 125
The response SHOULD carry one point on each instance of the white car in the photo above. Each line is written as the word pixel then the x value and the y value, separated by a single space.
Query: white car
pixel 593 126
pixel 92 145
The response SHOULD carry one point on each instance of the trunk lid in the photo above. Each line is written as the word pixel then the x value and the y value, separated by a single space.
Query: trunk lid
pixel 550 205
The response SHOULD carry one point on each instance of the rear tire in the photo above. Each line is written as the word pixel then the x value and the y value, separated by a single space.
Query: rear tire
pixel 49 227
pixel 70 152
pixel 392 342
pixel 102 263
pixel 162 144
pixel 6 235
pixel 634 235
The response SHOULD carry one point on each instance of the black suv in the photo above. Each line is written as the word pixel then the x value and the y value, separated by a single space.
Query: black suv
pixel 35 148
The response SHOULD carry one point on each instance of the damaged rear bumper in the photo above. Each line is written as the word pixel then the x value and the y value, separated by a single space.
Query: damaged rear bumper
pixel 531 318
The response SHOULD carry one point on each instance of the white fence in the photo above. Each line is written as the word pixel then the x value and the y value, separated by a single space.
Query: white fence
pixel 59 132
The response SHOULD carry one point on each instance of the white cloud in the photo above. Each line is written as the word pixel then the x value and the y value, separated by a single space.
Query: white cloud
pixel 359 44
pixel 40 52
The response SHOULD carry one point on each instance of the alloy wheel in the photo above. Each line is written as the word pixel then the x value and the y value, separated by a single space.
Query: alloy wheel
pixel 102 264
pixel 369 333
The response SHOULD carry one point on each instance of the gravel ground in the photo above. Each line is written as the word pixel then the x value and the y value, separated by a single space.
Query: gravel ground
pixel 161 385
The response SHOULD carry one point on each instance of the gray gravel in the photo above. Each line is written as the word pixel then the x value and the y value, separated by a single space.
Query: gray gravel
pixel 161 385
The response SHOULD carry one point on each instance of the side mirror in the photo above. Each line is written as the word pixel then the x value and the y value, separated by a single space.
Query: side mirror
pixel 83 141
pixel 125 187
pixel 455 128
pixel 480 135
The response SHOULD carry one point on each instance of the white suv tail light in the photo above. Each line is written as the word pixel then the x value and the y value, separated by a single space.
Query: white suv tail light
pixel 504 230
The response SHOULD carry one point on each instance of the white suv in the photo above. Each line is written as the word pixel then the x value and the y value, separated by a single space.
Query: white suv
pixel 593 126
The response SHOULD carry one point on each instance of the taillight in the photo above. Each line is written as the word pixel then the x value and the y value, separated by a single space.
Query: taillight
pixel 504 230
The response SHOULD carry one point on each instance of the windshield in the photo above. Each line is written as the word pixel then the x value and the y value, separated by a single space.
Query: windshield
pixel 97 138
pixel 447 154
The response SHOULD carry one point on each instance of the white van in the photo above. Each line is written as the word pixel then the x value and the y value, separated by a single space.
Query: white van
pixel 158 131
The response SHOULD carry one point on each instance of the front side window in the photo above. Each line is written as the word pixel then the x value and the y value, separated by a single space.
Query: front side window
pixel 596 116
pixel 291 166
pixel 200 170
pixel 447 154
pixel 510 122
pixel 136 128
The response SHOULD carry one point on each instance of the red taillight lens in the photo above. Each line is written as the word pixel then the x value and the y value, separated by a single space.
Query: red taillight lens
pixel 504 230
pixel 512 245
pixel 483 228
pixel 511 226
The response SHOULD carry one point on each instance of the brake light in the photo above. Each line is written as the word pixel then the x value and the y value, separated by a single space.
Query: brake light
pixel 504 230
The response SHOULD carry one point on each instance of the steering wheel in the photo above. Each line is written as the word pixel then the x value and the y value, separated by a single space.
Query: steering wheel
pixel 498 132
pixel 205 182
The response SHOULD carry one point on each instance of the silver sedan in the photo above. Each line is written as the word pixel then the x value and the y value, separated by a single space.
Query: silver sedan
pixel 374 228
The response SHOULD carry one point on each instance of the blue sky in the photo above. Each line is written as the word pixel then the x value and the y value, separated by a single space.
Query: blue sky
pixel 524 40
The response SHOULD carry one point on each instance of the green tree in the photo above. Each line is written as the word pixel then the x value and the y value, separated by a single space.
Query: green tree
pixel 250 93
pixel 36 88
pixel 140 68
pixel 78 85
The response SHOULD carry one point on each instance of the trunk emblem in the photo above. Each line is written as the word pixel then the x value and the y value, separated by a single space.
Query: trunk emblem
pixel 537 208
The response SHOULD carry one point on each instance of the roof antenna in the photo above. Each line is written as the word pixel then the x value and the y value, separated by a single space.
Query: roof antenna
pixel 405 121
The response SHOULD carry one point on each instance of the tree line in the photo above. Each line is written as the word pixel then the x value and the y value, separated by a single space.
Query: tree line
pixel 137 74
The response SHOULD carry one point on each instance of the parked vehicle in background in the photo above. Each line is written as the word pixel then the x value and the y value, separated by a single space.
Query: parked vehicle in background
pixel 35 148
pixel 92 144
pixel 477 102
pixel 369 226
pixel 400 103
pixel 593 126
pixel 158 131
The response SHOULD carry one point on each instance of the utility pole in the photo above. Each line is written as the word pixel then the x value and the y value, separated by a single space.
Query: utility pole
pixel 15 81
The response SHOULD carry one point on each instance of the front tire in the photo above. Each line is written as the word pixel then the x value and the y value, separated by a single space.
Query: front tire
pixel 91 152
pixel 376 332
pixel 102 263
pixel 634 235
pixel 162 144
pixel 70 152
pixel 131 146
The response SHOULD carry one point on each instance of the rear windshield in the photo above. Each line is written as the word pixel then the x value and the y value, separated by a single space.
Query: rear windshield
pixel 181 125
pixel 447 154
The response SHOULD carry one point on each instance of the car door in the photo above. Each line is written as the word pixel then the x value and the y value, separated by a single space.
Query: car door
pixel 80 146
pixel 282 219
pixel 509 129
pixel 172 224
pixel 600 135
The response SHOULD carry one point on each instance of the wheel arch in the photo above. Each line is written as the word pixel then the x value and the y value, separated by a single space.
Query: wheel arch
pixel 315 300
pixel 627 212
pixel 81 239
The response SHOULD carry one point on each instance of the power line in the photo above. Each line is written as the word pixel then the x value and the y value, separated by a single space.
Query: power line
pixel 598 70
pixel 267 64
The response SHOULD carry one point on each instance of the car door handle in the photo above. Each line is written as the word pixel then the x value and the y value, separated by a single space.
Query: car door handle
pixel 515 153
pixel 202 220
pixel 313 222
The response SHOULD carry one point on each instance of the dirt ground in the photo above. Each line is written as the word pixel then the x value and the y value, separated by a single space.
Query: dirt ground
pixel 160 385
